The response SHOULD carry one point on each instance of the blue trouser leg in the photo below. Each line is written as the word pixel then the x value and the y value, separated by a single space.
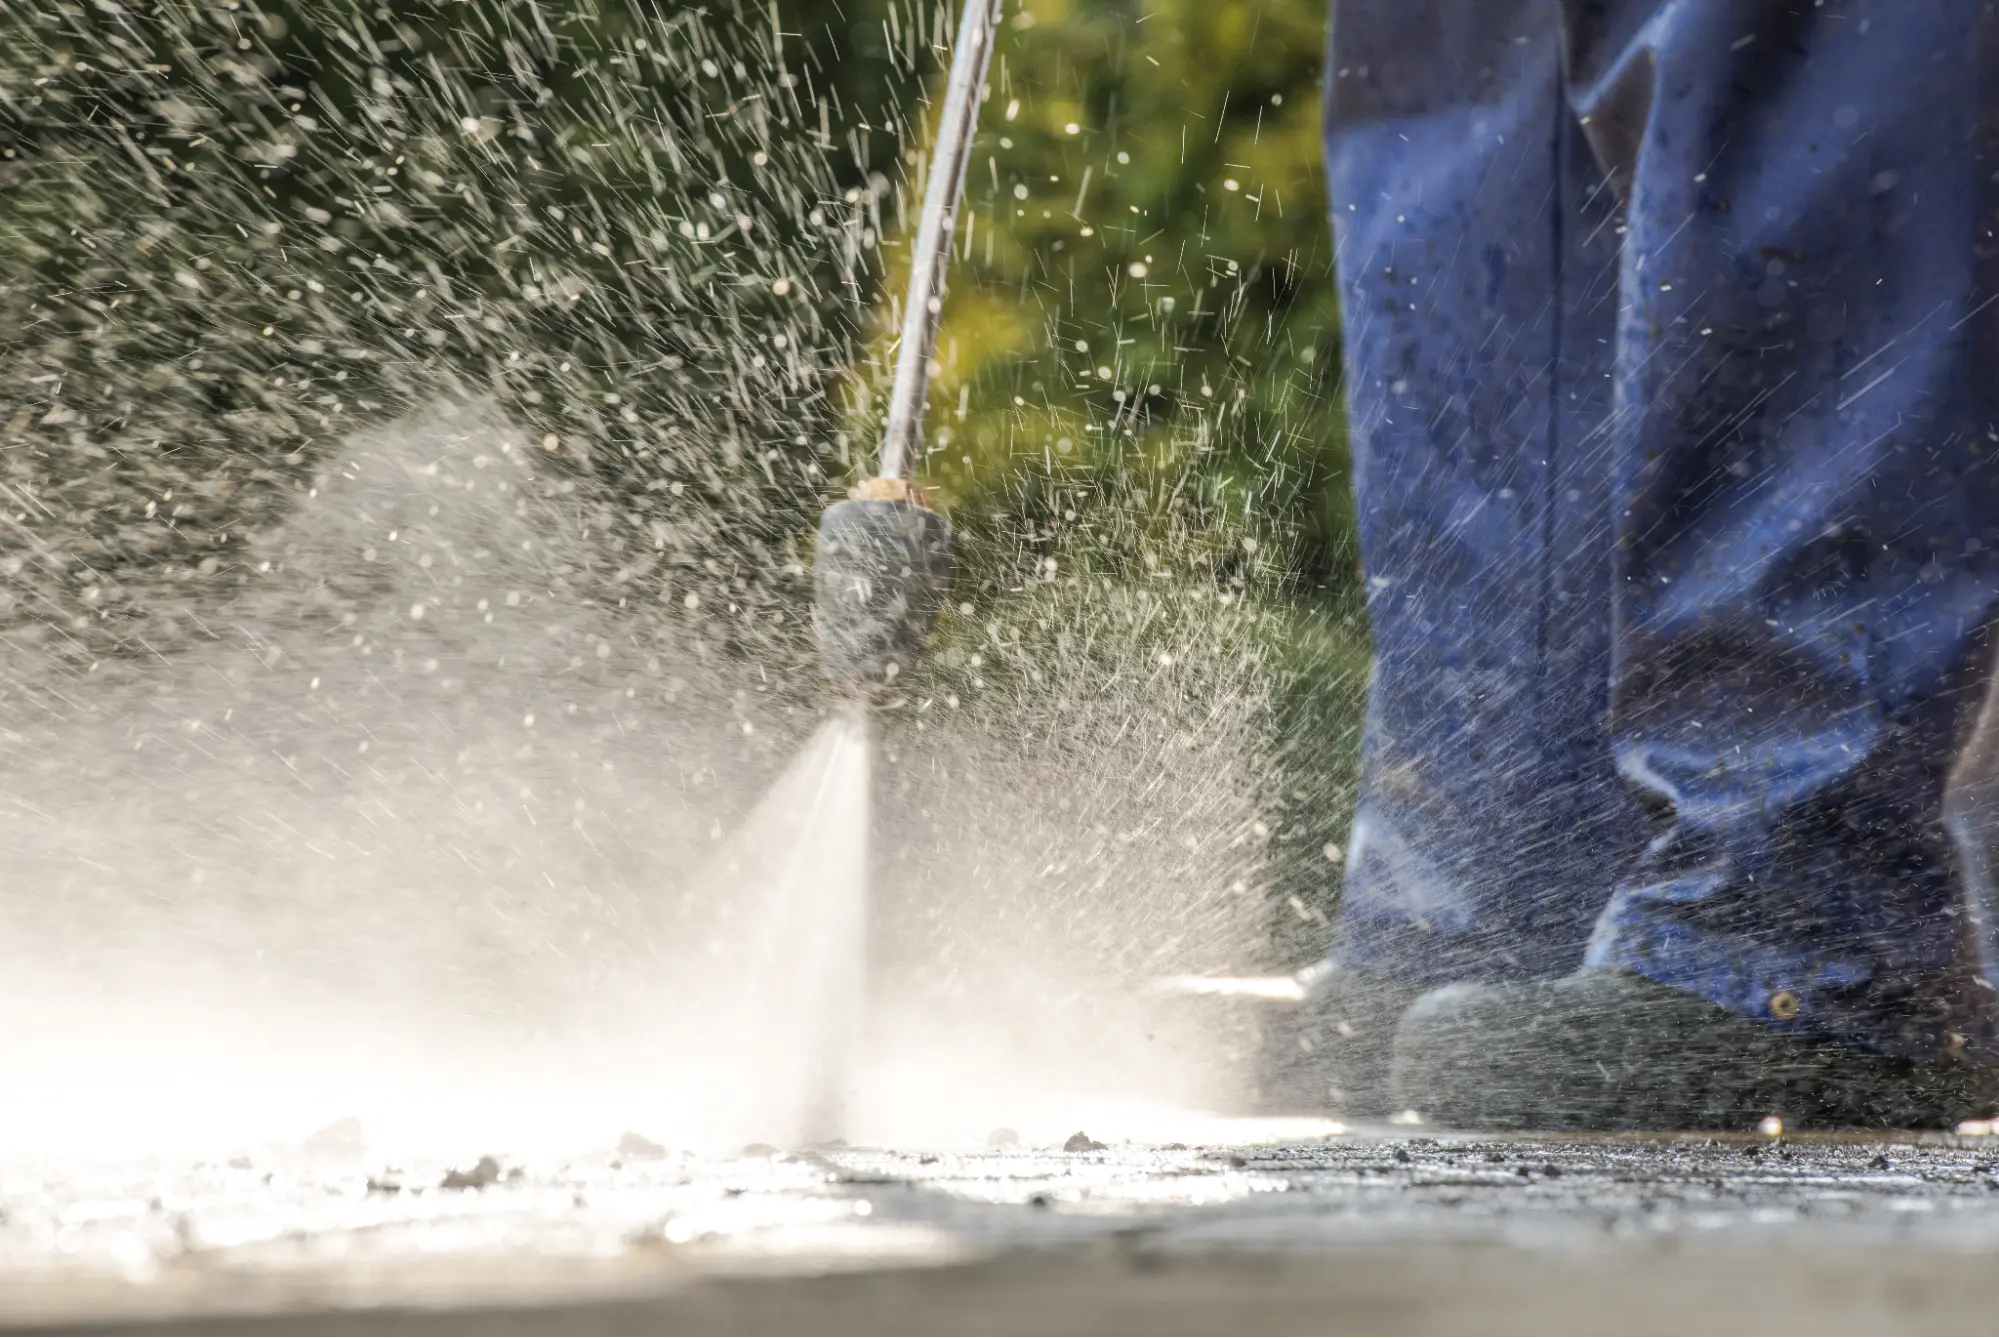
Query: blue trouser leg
pixel 1806 410
pixel 1477 255
pixel 1794 514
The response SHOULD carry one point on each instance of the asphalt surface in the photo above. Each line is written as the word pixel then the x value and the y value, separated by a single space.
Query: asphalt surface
pixel 1394 1230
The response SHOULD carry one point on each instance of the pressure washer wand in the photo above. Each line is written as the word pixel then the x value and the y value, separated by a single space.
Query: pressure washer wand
pixel 935 229
pixel 884 557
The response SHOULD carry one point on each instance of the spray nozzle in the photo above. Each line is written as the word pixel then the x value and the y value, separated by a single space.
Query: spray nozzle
pixel 884 567
pixel 885 556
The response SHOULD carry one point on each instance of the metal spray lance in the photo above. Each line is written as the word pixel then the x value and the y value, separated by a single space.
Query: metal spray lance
pixel 884 557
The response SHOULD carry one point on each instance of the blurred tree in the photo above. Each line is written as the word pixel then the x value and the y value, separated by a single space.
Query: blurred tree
pixel 1144 311
pixel 1138 371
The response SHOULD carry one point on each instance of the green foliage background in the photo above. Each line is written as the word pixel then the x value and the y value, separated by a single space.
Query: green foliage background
pixel 1149 269
pixel 664 239
pixel 1144 314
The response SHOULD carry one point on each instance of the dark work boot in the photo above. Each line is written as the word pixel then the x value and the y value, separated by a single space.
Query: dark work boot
pixel 1331 1052
pixel 1604 1049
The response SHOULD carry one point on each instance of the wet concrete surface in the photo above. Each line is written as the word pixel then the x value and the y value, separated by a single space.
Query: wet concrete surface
pixel 1380 1231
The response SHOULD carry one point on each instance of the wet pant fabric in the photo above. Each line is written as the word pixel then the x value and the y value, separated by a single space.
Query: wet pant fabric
pixel 1672 340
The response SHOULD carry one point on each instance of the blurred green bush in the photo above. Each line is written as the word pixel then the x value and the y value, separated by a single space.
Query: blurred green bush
pixel 1146 291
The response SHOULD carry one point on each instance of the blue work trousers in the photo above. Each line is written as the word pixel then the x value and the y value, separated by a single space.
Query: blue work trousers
pixel 1672 342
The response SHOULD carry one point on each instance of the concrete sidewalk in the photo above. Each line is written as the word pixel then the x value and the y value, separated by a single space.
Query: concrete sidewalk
pixel 1354 1233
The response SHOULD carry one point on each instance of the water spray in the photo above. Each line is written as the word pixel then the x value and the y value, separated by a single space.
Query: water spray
pixel 884 556
pixel 883 568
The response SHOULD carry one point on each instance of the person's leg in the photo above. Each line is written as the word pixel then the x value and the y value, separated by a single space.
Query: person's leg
pixel 1477 260
pixel 1807 509
pixel 1806 514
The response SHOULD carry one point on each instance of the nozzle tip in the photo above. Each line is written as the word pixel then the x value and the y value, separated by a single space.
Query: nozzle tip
pixel 883 569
